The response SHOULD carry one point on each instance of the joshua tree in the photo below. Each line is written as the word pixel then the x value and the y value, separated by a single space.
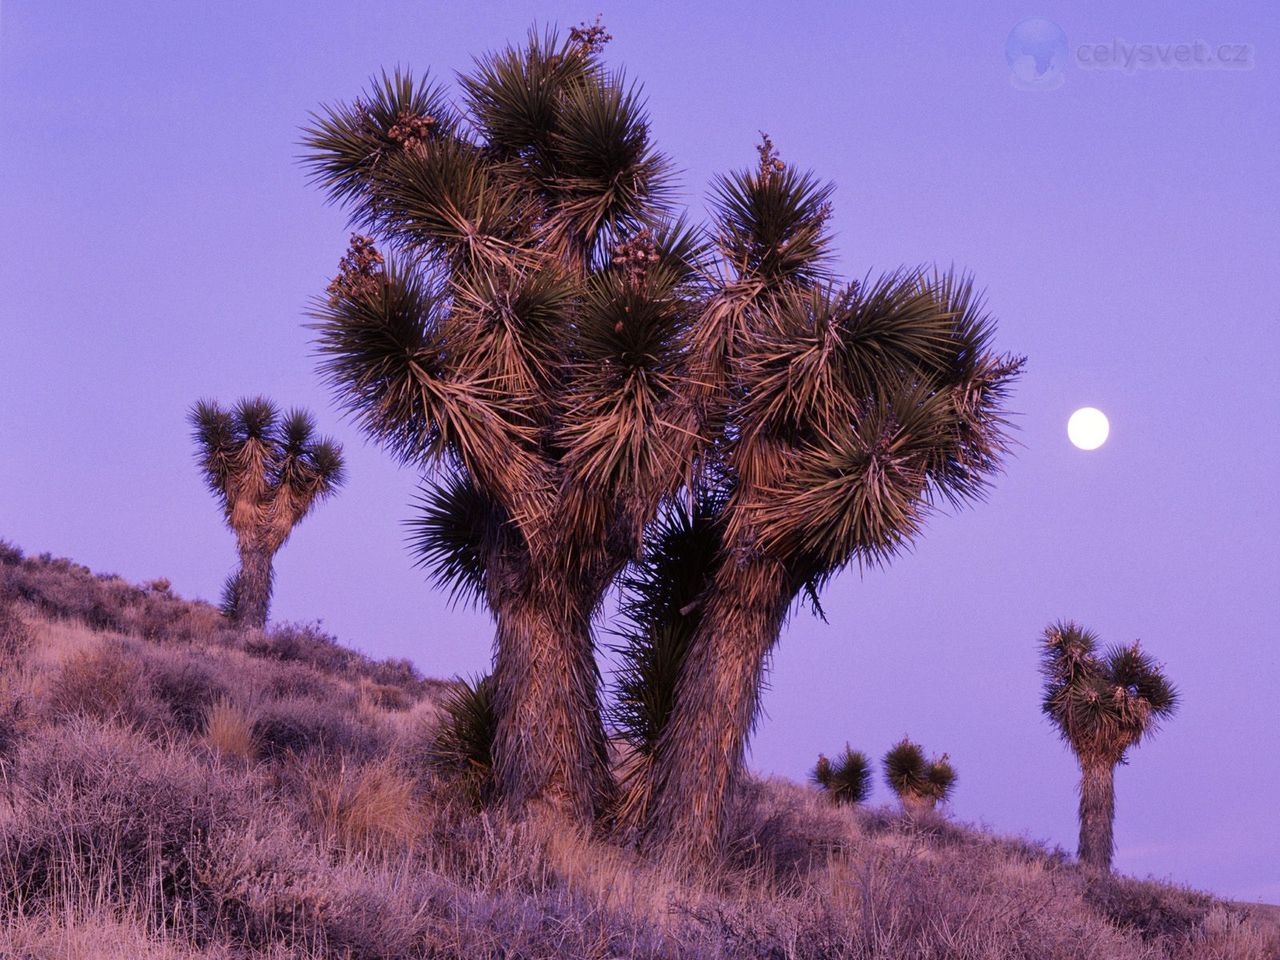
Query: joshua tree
pixel 844 413
pixel 848 780
pixel 519 336
pixel 920 783
pixel 268 470
pixel 564 358
pixel 1103 704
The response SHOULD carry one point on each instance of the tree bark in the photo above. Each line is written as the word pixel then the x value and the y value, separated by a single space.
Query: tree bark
pixel 253 586
pixel 549 749
pixel 1097 813
pixel 700 752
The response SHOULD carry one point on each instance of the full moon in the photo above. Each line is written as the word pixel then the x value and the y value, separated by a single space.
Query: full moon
pixel 1088 428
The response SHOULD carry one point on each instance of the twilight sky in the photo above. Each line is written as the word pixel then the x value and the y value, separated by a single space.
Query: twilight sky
pixel 158 242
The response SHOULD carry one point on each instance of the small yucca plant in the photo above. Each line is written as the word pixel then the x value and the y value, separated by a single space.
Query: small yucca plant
pixel 848 779
pixel 463 747
pixel 920 782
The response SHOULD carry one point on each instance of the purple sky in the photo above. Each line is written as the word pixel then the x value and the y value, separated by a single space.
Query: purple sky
pixel 158 243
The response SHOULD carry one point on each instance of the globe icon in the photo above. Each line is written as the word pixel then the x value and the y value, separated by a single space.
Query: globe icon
pixel 1037 54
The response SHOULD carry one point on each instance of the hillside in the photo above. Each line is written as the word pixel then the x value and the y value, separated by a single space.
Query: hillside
pixel 170 788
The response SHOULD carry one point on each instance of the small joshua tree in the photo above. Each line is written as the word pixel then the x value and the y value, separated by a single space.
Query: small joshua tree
pixel 268 470
pixel 848 779
pixel 1103 704
pixel 920 783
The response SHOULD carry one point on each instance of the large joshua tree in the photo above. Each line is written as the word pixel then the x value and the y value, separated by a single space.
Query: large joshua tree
pixel 511 321
pixel 268 470
pixel 844 413
pixel 1104 703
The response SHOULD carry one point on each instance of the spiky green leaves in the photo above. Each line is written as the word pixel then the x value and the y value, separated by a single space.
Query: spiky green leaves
pixel 1102 702
pixel 861 408
pixel 608 176
pixel 662 605
pixel 572 135
pixel 463 745
pixel 662 599
pixel 459 534
pixel 514 97
pixel 847 780
pixel 771 222
pixel 405 374
pixel 916 779
pixel 628 426
pixel 346 144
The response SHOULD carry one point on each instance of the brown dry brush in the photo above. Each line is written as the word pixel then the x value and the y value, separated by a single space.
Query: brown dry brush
pixel 268 470
pixel 1104 703
pixel 520 339
pixel 127 831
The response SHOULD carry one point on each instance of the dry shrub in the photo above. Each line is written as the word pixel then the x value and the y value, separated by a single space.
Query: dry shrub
pixel 1153 910
pixel 308 644
pixel 366 808
pixel 65 590
pixel 104 814
pixel 10 553
pixel 187 686
pixel 107 682
pixel 299 727
pixel 1228 934
pixel 383 696
pixel 15 720
pixel 100 934
pixel 15 636
pixel 228 728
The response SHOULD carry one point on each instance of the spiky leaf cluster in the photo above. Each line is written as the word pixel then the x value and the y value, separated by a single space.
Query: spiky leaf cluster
pixel 661 609
pixel 846 412
pixel 463 746
pixel 1103 702
pixel 915 777
pixel 662 605
pixel 848 779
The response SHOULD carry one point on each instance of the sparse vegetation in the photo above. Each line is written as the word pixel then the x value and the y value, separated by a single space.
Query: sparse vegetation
pixel 1104 703
pixel 920 782
pixel 173 840
pixel 268 470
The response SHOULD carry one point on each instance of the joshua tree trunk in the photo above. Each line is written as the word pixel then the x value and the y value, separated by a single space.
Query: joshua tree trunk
pixel 252 597
pixel 700 752
pixel 1097 812
pixel 549 748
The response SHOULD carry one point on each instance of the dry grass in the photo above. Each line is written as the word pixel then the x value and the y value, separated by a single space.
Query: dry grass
pixel 368 808
pixel 229 729
pixel 202 797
